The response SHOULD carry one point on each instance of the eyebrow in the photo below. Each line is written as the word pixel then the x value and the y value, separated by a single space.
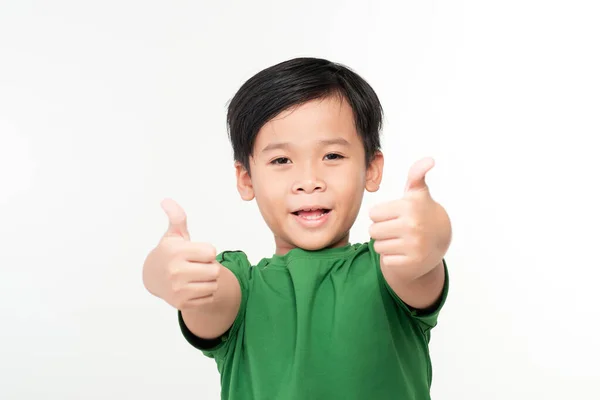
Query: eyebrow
pixel 322 143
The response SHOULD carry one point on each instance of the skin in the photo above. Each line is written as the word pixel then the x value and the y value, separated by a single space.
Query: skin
pixel 412 235
pixel 310 155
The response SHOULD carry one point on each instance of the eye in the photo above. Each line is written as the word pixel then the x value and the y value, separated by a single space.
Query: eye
pixel 280 161
pixel 334 156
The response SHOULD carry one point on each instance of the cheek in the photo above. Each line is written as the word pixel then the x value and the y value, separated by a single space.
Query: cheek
pixel 270 194
pixel 351 190
pixel 348 191
pixel 350 179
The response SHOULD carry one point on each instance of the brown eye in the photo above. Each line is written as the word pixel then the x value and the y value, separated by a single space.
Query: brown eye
pixel 280 161
pixel 333 156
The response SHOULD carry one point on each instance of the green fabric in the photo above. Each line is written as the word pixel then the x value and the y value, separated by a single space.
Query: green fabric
pixel 321 325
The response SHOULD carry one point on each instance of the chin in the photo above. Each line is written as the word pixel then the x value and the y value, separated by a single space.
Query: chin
pixel 312 235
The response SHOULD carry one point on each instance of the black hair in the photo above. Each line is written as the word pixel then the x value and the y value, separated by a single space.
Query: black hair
pixel 295 82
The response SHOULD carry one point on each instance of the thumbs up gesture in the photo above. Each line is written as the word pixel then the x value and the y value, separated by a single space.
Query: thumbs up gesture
pixel 411 234
pixel 179 271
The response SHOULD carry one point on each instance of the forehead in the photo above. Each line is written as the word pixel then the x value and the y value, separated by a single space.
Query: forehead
pixel 306 124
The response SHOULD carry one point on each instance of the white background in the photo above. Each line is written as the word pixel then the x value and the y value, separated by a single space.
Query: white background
pixel 108 107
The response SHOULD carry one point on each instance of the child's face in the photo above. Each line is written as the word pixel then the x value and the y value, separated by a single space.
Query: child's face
pixel 308 175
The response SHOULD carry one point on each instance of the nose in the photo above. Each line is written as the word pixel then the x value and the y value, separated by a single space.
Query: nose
pixel 309 184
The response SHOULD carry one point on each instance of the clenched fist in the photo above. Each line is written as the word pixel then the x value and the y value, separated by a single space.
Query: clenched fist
pixel 179 271
pixel 413 233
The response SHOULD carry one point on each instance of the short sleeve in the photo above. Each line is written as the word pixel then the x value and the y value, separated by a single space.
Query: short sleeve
pixel 237 262
pixel 427 319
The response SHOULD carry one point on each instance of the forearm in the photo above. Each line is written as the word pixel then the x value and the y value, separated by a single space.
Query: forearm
pixel 212 319
pixel 421 292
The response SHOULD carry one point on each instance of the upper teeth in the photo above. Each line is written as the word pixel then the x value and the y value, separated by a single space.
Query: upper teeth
pixel 313 216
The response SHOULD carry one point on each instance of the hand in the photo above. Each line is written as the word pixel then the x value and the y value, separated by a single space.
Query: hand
pixel 411 234
pixel 181 272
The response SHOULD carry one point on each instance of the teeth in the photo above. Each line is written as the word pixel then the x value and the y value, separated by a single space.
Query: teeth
pixel 312 216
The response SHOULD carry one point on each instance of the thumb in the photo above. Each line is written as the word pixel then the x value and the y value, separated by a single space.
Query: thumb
pixel 416 175
pixel 177 219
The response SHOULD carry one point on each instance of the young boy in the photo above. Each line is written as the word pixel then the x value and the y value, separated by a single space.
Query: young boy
pixel 321 318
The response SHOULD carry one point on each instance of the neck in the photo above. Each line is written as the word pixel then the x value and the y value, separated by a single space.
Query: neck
pixel 282 247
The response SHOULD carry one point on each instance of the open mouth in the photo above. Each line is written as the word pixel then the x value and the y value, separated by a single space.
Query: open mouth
pixel 312 213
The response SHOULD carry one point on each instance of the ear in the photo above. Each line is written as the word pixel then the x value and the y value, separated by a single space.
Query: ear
pixel 244 182
pixel 374 172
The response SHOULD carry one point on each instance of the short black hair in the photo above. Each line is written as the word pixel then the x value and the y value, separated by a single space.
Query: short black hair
pixel 293 83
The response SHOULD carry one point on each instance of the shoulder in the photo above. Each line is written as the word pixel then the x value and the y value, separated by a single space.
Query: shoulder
pixel 233 257
pixel 365 254
pixel 237 262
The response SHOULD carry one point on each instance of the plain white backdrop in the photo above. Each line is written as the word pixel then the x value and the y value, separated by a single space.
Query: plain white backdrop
pixel 108 107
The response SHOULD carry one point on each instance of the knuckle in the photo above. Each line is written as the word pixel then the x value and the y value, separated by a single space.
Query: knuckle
pixel 177 289
pixel 212 252
pixel 208 250
pixel 412 224
pixel 172 275
pixel 204 251
pixel 372 230
pixel 173 272
pixel 374 212
pixel 213 270
pixel 384 261
pixel 378 246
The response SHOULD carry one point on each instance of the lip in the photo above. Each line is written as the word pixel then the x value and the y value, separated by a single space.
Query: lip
pixel 311 207
pixel 312 222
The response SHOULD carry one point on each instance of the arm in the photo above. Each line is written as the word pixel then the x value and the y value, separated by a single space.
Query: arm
pixel 213 319
pixel 412 235
pixel 188 276
pixel 421 293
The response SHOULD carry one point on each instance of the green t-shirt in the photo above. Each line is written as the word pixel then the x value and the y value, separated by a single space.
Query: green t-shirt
pixel 321 325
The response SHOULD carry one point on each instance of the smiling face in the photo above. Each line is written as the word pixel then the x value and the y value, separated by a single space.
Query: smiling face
pixel 308 175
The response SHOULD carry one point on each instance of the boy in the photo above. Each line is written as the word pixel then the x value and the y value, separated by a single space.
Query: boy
pixel 321 318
